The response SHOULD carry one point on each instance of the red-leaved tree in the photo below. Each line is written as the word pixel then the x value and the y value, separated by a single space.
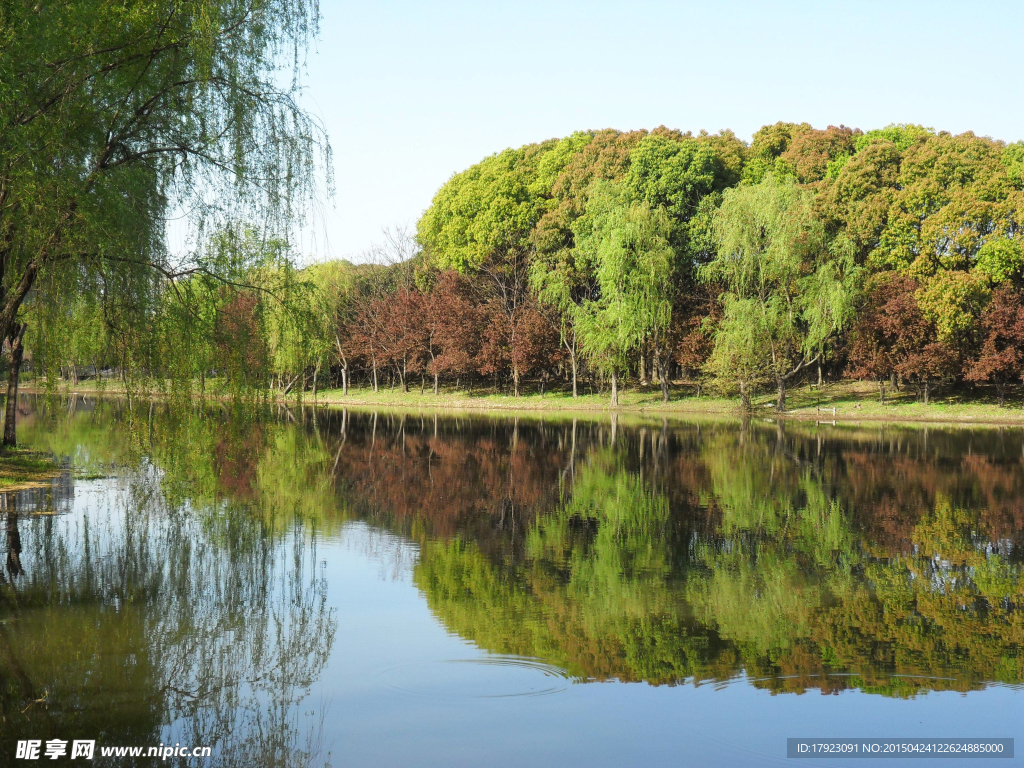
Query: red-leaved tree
pixel 872 352
pixel 1001 359
pixel 893 336
pixel 366 335
pixel 522 342
pixel 241 347
pixel 694 318
pixel 403 334
pixel 455 328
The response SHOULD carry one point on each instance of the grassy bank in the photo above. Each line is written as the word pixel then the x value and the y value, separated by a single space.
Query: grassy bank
pixel 842 401
pixel 850 401
pixel 21 468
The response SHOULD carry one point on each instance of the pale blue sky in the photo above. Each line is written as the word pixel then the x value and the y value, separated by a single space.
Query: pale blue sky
pixel 412 92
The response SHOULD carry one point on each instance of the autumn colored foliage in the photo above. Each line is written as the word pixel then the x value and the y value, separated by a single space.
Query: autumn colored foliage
pixel 239 338
pixel 1001 358
pixel 893 338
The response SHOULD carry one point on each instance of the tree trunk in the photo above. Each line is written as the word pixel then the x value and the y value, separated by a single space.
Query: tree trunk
pixel 575 391
pixel 615 390
pixel 662 367
pixel 927 386
pixel 375 385
pixel 435 385
pixel 344 364
pixel 780 402
pixel 287 389
pixel 745 397
pixel 515 381
pixel 643 370
pixel 881 391
pixel 11 411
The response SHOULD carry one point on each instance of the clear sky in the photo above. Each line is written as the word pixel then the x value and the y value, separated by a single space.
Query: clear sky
pixel 412 92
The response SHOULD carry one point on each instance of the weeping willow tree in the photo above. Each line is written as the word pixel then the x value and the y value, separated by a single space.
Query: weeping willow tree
pixel 625 244
pixel 68 327
pixel 246 321
pixel 115 118
pixel 789 291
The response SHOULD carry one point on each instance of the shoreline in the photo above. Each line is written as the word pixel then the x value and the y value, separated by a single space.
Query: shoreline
pixel 691 408
pixel 846 402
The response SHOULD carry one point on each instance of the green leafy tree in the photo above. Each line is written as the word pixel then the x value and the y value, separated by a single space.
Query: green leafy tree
pixel 560 275
pixel 684 175
pixel 564 281
pixel 916 201
pixel 1001 260
pixel 481 223
pixel 786 293
pixel 626 244
pixel 334 301
pixel 486 213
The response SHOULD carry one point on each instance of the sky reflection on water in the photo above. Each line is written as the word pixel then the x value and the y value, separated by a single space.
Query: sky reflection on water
pixel 383 589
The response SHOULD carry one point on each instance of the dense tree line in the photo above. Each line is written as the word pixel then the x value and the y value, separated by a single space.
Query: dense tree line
pixel 661 258
pixel 892 255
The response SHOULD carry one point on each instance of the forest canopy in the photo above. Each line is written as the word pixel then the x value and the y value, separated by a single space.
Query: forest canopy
pixel 666 255
pixel 667 259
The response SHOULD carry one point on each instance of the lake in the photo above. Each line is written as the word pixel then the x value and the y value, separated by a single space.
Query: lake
pixel 297 587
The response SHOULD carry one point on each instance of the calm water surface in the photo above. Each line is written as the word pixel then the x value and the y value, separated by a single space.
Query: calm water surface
pixel 360 589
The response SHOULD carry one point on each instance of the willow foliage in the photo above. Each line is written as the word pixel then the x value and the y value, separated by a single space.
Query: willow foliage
pixel 117 117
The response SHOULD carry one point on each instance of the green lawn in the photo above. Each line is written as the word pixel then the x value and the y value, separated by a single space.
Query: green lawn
pixel 632 399
pixel 851 401
pixel 859 400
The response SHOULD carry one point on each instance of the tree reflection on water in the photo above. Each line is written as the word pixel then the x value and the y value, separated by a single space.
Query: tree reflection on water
pixel 799 557
pixel 147 617
pixel 883 559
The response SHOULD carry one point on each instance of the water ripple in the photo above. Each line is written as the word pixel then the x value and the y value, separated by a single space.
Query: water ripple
pixel 488 677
